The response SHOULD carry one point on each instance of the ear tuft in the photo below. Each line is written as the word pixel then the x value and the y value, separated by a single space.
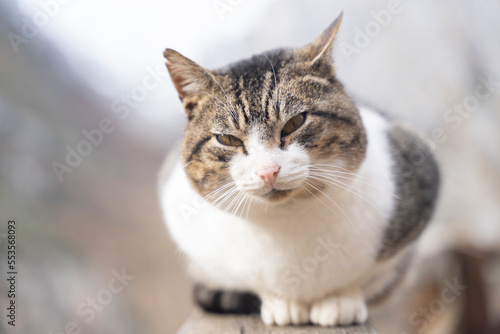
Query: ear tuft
pixel 321 47
pixel 187 76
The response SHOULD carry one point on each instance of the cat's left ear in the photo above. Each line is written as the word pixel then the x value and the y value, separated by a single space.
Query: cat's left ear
pixel 321 48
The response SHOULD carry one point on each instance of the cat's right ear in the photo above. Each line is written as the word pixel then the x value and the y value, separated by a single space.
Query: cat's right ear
pixel 188 77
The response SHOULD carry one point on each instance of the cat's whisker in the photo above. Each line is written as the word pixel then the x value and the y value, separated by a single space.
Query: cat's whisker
pixel 333 176
pixel 240 203
pixel 220 188
pixel 275 81
pixel 241 197
pixel 225 196
pixel 248 208
pixel 223 180
pixel 341 170
pixel 337 169
pixel 336 173
pixel 228 193
pixel 235 206
pixel 220 205
pixel 346 175
pixel 229 185
pixel 343 186
pixel 234 113
pixel 248 202
pixel 309 192
pixel 326 205
pixel 334 203
pixel 178 252
pixel 361 181
pixel 233 201
pixel 305 189
pixel 190 266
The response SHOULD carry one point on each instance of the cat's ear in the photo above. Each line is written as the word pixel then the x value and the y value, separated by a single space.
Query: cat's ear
pixel 188 77
pixel 321 48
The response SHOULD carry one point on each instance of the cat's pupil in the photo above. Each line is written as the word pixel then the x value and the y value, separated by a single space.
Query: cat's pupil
pixel 293 124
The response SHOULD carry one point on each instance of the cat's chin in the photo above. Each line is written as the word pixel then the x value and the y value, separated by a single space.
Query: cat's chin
pixel 277 195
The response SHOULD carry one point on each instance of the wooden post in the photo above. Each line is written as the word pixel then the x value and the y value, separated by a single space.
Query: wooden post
pixel 204 323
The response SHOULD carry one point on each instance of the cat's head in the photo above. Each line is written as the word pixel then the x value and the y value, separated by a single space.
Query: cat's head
pixel 266 127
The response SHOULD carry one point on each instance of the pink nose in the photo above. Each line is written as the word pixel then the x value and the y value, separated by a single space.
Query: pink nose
pixel 269 174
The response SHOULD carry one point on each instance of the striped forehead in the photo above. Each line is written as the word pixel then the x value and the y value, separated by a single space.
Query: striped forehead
pixel 264 90
pixel 257 98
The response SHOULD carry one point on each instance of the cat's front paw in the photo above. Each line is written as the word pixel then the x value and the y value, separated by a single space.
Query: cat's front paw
pixel 282 312
pixel 345 309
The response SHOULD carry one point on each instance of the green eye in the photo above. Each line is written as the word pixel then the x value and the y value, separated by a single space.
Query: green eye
pixel 293 124
pixel 228 140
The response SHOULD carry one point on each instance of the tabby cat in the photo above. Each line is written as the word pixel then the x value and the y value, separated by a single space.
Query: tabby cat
pixel 287 197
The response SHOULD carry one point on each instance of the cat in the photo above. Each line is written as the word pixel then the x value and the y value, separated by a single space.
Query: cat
pixel 287 197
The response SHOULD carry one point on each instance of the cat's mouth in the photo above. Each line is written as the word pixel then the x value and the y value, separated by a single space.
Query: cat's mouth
pixel 276 194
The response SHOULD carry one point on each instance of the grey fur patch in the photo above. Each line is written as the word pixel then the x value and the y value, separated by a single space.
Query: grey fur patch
pixel 416 176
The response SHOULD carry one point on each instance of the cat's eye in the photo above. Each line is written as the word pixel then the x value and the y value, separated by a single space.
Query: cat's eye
pixel 293 124
pixel 228 140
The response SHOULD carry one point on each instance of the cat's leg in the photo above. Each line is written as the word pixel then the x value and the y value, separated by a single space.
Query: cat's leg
pixel 282 312
pixel 342 309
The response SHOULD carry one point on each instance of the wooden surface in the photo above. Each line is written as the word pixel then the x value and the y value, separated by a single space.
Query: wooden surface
pixel 203 323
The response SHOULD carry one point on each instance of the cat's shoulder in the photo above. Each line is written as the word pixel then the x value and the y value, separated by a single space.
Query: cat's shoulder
pixel 416 177
pixel 414 172
pixel 403 138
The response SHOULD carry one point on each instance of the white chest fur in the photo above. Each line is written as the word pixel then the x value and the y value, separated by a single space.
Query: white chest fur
pixel 303 249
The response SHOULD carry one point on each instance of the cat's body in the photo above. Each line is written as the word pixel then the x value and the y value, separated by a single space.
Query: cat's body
pixel 316 222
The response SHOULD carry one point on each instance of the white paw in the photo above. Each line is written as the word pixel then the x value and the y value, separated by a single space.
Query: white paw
pixel 339 310
pixel 282 312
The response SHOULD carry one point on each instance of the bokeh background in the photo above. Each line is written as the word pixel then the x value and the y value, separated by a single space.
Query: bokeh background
pixel 67 65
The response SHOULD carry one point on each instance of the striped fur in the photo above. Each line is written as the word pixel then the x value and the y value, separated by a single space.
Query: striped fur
pixel 241 261
pixel 261 94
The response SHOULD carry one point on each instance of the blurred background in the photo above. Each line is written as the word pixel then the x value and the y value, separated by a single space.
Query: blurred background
pixel 89 76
